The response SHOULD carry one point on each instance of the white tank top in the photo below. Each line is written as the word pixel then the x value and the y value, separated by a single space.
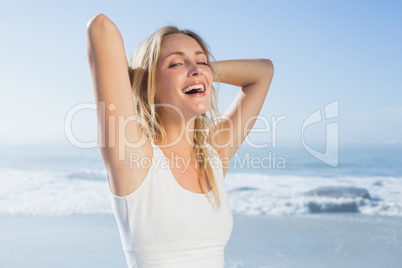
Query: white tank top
pixel 161 224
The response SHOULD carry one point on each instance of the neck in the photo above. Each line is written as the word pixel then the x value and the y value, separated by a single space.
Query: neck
pixel 179 136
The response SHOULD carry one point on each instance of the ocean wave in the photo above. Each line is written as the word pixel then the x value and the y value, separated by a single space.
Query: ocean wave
pixel 88 174
pixel 295 195
pixel 86 192
pixel 43 193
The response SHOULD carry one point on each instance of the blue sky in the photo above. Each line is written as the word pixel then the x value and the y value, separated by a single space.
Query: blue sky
pixel 345 51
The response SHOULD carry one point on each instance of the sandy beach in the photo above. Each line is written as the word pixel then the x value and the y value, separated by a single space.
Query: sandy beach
pixel 336 240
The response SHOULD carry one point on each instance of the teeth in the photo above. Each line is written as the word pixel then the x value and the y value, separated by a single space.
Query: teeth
pixel 194 87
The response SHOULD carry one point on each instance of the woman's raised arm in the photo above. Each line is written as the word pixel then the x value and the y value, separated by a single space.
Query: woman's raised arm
pixel 254 76
pixel 117 125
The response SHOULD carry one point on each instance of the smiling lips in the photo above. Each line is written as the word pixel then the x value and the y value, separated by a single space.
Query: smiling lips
pixel 197 87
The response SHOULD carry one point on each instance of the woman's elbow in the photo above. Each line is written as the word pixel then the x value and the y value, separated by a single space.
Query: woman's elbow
pixel 99 22
pixel 267 68
pixel 268 65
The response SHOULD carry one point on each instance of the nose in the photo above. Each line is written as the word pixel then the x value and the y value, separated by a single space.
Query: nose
pixel 195 70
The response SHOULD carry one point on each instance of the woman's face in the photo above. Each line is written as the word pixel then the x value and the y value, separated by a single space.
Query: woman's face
pixel 182 65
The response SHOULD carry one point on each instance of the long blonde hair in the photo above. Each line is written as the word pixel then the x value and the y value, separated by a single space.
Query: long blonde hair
pixel 142 76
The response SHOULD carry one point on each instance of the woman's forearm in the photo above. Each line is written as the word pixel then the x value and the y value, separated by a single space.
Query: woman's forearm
pixel 243 73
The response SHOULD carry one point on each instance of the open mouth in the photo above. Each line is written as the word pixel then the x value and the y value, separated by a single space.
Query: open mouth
pixel 194 89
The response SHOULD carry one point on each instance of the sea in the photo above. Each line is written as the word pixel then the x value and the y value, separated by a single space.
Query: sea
pixel 364 178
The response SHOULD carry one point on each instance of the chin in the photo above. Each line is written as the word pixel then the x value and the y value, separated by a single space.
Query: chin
pixel 202 108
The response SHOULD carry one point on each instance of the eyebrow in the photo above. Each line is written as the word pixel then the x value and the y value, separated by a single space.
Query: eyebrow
pixel 180 53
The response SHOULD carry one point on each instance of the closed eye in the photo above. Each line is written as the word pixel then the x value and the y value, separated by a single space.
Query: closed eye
pixel 174 65
pixel 202 63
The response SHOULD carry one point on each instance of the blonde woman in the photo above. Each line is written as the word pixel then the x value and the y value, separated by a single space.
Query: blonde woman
pixel 166 159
